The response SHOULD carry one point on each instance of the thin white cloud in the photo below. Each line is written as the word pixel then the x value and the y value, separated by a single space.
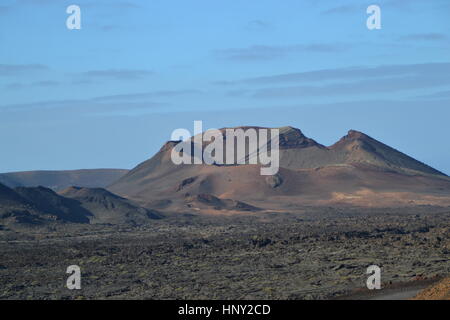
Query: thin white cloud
pixel 269 52
pixel 424 37
pixel 119 74
pixel 20 69
pixel 348 73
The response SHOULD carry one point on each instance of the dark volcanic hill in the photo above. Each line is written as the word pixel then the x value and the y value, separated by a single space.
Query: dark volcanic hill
pixel 10 197
pixel 357 170
pixel 107 207
pixel 49 203
pixel 14 208
pixel 59 180
pixel 39 205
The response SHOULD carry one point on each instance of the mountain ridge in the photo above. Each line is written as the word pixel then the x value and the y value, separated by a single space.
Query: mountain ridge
pixel 60 179
pixel 41 205
pixel 356 170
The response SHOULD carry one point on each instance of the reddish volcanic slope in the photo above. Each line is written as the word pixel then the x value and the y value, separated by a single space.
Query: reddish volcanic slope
pixel 357 170
pixel 439 291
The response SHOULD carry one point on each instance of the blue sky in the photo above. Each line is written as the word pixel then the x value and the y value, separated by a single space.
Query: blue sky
pixel 109 95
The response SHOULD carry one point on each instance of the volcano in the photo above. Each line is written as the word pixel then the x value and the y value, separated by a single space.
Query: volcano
pixel 357 170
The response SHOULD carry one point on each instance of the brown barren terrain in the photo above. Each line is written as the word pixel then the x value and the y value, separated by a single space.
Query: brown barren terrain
pixel 439 291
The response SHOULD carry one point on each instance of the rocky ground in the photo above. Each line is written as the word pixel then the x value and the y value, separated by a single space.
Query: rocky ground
pixel 316 253
pixel 438 291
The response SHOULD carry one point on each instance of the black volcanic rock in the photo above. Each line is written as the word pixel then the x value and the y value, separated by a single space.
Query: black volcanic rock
pixel 9 196
pixel 40 205
pixel 209 201
pixel 107 207
pixel 294 138
pixel 49 202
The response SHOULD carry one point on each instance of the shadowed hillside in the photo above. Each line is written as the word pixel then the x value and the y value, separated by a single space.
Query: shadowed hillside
pixel 108 207
pixel 40 205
